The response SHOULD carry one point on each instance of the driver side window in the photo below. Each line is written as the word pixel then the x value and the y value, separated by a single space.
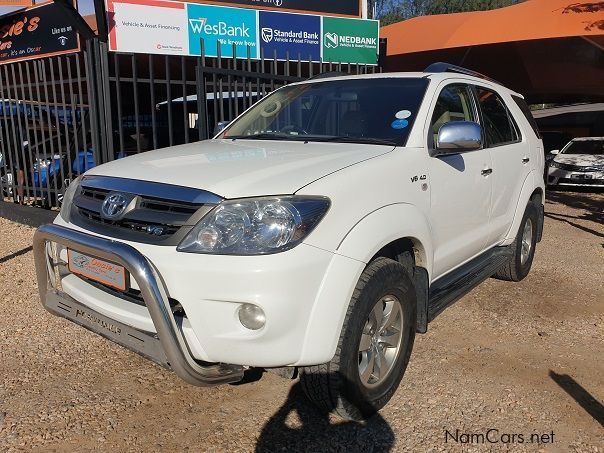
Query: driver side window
pixel 454 104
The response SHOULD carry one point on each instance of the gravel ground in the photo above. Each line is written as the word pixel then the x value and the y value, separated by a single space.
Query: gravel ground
pixel 521 359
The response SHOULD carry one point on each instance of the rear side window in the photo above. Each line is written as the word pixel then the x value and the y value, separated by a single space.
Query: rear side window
pixel 499 127
pixel 521 103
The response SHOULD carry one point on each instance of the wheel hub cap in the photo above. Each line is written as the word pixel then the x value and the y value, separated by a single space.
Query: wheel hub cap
pixel 380 341
pixel 527 241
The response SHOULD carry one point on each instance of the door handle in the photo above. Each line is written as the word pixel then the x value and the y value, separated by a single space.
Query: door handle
pixel 486 172
pixel 526 160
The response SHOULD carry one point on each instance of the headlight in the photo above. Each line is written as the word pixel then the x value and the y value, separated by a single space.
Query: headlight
pixel 555 164
pixel 70 192
pixel 255 226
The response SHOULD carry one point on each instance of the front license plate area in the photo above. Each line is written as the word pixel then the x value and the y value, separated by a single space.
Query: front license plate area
pixel 96 269
pixel 580 176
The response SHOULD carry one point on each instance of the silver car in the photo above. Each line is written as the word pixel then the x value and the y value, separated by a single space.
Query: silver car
pixel 579 163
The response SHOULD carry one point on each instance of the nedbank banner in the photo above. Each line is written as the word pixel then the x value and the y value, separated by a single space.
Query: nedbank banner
pixel 178 28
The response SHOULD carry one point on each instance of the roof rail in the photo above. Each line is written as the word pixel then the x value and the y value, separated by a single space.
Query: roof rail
pixel 325 75
pixel 448 67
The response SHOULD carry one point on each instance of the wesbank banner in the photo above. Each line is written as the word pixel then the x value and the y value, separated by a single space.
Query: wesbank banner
pixel 178 28
pixel 224 26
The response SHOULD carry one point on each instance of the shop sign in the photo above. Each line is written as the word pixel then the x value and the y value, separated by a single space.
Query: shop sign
pixel 178 28
pixel 290 36
pixel 148 26
pixel 42 30
pixel 229 28
pixel 319 7
pixel 350 40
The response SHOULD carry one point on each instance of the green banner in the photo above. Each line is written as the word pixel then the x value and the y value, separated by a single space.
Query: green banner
pixel 350 40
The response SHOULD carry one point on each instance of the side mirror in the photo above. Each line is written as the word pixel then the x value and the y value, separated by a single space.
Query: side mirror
pixel 554 152
pixel 220 126
pixel 457 137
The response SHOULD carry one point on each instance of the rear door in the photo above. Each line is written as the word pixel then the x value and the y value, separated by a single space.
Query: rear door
pixel 510 156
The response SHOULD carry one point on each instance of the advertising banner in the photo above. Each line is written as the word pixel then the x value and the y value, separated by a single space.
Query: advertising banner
pixel 16 2
pixel 179 28
pixel 148 26
pixel 350 40
pixel 224 26
pixel 340 7
pixel 290 35
pixel 38 31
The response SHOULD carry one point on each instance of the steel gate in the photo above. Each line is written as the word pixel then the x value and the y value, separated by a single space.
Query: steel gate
pixel 62 115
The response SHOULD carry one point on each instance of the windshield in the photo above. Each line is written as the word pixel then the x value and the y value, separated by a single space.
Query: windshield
pixel 374 111
pixel 584 147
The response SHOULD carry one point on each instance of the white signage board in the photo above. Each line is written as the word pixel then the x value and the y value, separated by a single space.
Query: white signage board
pixel 161 29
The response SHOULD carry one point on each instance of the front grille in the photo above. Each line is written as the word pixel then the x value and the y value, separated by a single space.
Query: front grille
pixel 590 182
pixel 141 227
pixel 156 213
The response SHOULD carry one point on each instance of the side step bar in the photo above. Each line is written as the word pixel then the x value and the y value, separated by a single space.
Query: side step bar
pixel 461 281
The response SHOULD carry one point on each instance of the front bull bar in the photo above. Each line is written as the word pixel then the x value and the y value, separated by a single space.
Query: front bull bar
pixel 177 354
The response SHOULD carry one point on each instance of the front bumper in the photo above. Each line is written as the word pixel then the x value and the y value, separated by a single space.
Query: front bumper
pixel 167 347
pixel 560 177
pixel 304 293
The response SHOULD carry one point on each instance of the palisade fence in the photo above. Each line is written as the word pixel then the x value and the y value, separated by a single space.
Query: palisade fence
pixel 61 115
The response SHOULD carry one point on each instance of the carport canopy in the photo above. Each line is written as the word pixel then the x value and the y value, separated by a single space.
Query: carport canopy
pixel 552 51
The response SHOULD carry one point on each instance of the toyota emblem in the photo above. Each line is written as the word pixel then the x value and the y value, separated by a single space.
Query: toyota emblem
pixel 114 205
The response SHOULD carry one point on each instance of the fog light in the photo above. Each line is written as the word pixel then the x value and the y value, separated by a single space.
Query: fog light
pixel 251 316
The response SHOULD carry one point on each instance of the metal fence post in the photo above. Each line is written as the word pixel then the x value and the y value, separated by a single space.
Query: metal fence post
pixel 202 118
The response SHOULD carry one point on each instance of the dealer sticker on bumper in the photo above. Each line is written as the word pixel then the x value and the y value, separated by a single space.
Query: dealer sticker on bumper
pixel 102 271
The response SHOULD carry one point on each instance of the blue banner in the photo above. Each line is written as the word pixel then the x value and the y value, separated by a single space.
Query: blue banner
pixel 222 26
pixel 296 35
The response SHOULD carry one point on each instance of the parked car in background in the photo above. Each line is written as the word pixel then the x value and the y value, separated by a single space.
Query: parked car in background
pixel 316 234
pixel 579 163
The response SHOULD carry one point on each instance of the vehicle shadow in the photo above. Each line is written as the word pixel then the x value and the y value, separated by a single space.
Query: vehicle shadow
pixel 9 257
pixel 300 426
pixel 578 198
pixel 584 200
pixel 591 405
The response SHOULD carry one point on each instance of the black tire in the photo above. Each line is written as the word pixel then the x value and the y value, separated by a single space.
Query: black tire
pixel 336 386
pixel 515 269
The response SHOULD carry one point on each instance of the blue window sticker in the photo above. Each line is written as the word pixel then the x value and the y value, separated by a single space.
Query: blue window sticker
pixel 399 124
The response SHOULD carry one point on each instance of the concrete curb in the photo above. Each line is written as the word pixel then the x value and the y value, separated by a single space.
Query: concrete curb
pixel 26 215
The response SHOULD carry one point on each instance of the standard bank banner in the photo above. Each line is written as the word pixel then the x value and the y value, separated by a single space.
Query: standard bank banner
pixel 176 28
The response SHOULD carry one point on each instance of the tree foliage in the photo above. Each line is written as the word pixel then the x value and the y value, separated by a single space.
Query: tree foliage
pixel 457 6
pixel 391 11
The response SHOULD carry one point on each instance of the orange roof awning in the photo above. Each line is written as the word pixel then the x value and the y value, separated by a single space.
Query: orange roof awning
pixel 532 19
pixel 549 50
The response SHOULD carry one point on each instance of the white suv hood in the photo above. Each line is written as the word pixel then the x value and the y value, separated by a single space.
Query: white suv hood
pixel 241 168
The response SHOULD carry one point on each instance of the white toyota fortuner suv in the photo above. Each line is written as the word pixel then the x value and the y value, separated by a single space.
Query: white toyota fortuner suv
pixel 315 235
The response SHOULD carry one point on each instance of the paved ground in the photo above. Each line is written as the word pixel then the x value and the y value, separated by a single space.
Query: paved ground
pixel 516 359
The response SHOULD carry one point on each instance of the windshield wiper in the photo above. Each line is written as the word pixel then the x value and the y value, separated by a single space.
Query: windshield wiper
pixel 262 136
pixel 348 139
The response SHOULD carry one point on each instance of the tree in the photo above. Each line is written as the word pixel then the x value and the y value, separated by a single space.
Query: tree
pixel 456 6
pixel 391 11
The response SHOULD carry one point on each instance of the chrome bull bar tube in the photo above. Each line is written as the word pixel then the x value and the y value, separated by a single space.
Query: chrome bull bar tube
pixel 178 356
